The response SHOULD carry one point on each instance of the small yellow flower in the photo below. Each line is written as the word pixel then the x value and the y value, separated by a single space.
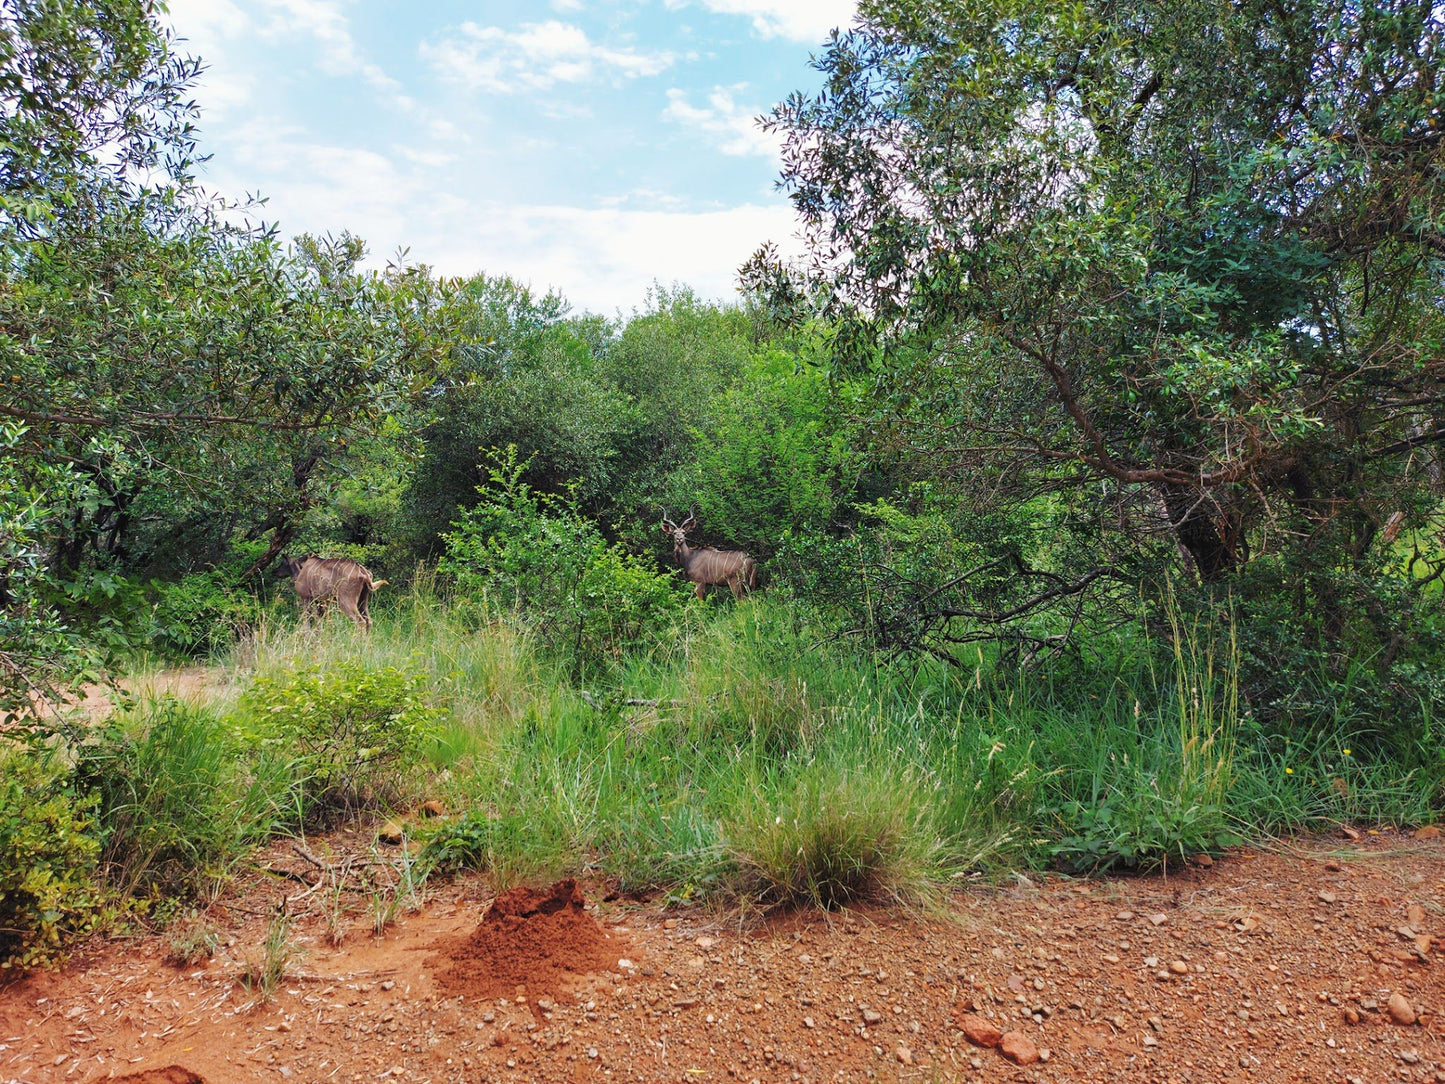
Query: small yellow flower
pixel 1289 771
pixel 1347 752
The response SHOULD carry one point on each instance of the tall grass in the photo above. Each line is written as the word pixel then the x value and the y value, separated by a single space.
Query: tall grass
pixel 739 759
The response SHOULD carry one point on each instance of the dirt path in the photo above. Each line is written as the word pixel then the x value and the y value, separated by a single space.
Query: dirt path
pixel 1266 967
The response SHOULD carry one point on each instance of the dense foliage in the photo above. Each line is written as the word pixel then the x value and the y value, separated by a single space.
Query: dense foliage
pixel 1093 459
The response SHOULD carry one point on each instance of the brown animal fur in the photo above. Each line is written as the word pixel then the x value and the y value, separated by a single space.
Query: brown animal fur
pixel 321 579
pixel 706 566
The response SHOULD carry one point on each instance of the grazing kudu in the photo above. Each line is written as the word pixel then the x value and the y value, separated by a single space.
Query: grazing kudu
pixel 321 579
pixel 706 566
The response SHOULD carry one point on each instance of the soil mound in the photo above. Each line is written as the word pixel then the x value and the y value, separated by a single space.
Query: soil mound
pixel 171 1074
pixel 530 941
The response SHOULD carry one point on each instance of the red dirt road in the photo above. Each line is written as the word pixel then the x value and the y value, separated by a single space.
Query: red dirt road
pixel 1277 966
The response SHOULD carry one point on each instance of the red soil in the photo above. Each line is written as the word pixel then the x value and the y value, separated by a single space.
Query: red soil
pixel 171 1074
pixel 530 942
pixel 1279 966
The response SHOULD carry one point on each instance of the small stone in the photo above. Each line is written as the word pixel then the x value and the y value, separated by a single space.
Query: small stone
pixel 1125 916
pixel 1415 914
pixel 1018 1048
pixel 904 1055
pixel 1430 831
pixel 872 1017
pixel 433 808
pixel 1203 861
pixel 1158 920
pixel 625 964
pixel 1349 833
pixel 1150 1040
pixel 389 984
pixel 391 833
pixel 981 1031
pixel 1179 967
pixel 807 1021
pixel 1110 958
pixel 1409 1057
pixel 669 924
pixel 1401 1011
pixel 1352 1015
pixel 592 1052
pixel 1328 897
pixel 705 943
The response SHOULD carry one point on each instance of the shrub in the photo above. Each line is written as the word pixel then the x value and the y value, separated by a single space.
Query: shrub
pixel 348 731
pixel 537 555
pixel 48 890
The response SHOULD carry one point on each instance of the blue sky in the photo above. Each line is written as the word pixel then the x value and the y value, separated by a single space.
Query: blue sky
pixel 588 145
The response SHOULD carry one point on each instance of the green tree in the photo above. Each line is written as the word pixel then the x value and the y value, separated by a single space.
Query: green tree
pixel 1192 253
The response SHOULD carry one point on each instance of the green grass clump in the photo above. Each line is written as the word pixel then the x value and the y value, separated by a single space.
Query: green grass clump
pixel 176 806
pixel 834 833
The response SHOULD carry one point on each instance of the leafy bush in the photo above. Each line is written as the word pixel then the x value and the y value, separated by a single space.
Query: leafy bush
pixel 536 554
pixel 48 890
pixel 174 806
pixel 200 613
pixel 348 732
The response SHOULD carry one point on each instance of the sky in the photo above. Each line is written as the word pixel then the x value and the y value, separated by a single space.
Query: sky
pixel 591 146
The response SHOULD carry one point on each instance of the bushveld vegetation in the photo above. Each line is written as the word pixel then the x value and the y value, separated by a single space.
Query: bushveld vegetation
pixel 1093 461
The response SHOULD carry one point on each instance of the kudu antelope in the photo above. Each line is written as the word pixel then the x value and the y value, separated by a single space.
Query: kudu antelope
pixel 706 566
pixel 321 579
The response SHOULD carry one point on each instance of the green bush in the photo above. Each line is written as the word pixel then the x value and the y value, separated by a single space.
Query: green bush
pixel 538 556
pixel 48 888
pixel 348 732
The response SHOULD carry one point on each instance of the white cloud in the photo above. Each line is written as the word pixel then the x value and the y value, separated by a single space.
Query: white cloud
pixel 601 258
pixel 207 26
pixel 535 57
pixel 605 259
pixel 734 127
pixel 567 5
pixel 807 21
pixel 324 21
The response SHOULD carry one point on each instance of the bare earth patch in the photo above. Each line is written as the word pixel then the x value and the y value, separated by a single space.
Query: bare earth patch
pixel 1269 966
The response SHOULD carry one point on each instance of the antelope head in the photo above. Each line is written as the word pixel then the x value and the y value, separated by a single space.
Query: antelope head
pixel 678 531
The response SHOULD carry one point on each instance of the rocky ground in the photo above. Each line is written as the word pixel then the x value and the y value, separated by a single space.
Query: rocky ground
pixel 1313 962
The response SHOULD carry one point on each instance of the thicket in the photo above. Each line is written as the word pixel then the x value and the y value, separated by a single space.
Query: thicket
pixel 1093 460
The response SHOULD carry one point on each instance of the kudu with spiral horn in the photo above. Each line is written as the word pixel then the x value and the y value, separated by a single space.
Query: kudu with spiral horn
pixel 706 566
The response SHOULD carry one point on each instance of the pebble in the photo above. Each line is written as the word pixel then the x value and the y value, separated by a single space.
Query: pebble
pixel 705 943
pixel 1110 958
pixel 1124 916
pixel 1401 1011
pixel 904 1055
pixel 1179 967
pixel 1352 1015
pixel 981 1031
pixel 391 833
pixel 1159 920
pixel 872 1016
pixel 1018 1048
pixel 1428 832
pixel 807 1021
